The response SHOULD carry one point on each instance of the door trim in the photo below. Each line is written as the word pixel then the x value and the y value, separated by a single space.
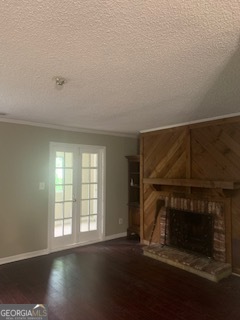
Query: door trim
pixel 51 197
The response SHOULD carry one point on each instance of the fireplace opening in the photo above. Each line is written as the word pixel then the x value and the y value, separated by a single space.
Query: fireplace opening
pixel 190 231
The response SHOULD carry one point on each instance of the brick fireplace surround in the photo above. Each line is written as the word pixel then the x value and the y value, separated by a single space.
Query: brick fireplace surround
pixel 214 268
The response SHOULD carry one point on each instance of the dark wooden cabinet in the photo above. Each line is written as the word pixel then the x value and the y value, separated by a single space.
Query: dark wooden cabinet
pixel 133 196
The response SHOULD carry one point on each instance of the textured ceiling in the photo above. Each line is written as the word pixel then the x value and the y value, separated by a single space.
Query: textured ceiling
pixel 130 65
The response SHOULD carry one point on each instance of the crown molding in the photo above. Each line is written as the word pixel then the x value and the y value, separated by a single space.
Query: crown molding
pixel 231 115
pixel 71 129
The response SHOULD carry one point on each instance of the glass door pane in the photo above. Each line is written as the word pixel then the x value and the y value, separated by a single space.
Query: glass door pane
pixel 63 194
pixel 89 191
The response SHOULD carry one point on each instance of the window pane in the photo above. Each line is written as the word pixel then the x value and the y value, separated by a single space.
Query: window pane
pixel 68 176
pixel 67 226
pixel 84 224
pixel 67 209
pixel 93 206
pixel 85 160
pixel 93 160
pixel 93 190
pixel 85 175
pixel 68 193
pixel 58 228
pixel 85 208
pixel 93 222
pixel 59 161
pixel 85 191
pixel 93 175
pixel 68 159
pixel 59 193
pixel 59 176
pixel 58 213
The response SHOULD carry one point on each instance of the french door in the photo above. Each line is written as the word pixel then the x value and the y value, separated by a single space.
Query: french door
pixel 76 209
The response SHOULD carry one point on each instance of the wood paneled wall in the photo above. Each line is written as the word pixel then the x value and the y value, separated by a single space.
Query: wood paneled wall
pixel 205 151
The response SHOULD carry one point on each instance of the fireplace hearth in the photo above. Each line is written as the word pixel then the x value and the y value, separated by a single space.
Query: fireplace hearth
pixel 191 231
pixel 193 237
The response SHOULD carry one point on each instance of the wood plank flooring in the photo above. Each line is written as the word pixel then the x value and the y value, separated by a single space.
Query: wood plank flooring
pixel 113 280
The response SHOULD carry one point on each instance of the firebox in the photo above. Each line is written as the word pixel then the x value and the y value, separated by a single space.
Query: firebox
pixel 190 231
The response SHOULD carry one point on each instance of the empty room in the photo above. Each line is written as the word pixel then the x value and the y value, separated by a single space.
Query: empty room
pixel 120 160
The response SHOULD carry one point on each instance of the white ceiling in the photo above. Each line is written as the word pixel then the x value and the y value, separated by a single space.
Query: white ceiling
pixel 130 65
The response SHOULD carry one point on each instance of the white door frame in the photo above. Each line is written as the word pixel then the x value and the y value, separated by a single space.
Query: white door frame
pixel 76 149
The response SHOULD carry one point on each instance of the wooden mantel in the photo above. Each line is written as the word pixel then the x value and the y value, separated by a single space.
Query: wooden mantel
pixel 210 184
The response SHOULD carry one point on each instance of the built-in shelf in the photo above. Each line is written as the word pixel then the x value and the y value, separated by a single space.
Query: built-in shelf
pixel 133 196
pixel 210 184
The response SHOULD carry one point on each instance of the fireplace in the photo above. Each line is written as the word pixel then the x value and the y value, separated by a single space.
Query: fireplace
pixel 211 211
pixel 191 231
pixel 194 236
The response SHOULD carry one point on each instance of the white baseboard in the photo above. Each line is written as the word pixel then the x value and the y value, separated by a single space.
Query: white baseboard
pixel 75 245
pixel 86 243
pixel 23 256
pixel 115 236
pixel 39 253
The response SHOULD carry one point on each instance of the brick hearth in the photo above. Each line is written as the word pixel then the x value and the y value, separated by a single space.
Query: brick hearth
pixel 197 264
pixel 213 269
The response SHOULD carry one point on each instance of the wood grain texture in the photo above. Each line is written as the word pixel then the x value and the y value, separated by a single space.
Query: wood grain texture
pixel 216 158
pixel 230 185
pixel 202 152
pixel 163 156
pixel 162 152
pixel 113 280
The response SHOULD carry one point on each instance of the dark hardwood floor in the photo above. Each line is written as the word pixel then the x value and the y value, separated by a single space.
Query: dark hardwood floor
pixel 113 280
